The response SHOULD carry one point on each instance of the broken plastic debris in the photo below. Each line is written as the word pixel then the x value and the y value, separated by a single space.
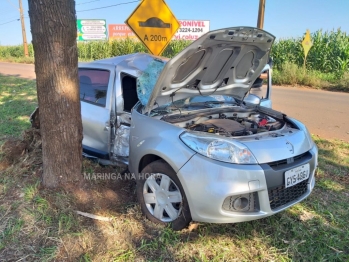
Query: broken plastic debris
pixel 121 146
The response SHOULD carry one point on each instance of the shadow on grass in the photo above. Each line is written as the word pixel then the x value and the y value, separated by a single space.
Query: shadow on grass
pixel 44 226
pixel 17 101
pixel 305 232
pixel 333 164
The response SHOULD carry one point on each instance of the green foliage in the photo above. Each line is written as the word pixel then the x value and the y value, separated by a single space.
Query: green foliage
pixel 17 101
pixel 329 53
pixel 291 74
pixel 104 49
pixel 327 64
pixel 15 51
pixel 95 50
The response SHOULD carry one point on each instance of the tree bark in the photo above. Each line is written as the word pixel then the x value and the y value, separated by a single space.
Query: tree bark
pixel 53 27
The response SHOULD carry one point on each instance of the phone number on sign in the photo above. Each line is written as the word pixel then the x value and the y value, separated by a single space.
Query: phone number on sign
pixel 190 30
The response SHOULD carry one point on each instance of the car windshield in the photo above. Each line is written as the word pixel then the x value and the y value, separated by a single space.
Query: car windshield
pixel 196 103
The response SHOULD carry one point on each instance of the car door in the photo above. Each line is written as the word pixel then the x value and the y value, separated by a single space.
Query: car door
pixel 126 97
pixel 96 91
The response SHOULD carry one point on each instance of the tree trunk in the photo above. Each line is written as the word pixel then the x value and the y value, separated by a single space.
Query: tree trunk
pixel 53 27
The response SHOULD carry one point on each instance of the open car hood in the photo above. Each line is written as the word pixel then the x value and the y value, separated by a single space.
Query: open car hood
pixel 221 62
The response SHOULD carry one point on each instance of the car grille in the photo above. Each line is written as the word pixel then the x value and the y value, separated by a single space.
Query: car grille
pixel 286 161
pixel 279 196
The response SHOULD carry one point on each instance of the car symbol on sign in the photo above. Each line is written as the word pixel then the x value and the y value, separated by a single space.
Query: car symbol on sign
pixel 154 22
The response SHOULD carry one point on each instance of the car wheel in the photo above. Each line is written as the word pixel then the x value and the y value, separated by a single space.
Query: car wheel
pixel 162 197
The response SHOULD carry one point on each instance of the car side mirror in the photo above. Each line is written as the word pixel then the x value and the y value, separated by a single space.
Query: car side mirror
pixel 252 99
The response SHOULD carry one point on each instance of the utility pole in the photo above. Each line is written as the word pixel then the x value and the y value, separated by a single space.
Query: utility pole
pixel 25 44
pixel 260 21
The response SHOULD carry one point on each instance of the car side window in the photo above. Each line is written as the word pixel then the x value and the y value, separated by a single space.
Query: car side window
pixel 129 91
pixel 93 85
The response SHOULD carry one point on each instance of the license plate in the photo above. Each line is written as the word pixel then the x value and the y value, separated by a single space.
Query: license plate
pixel 296 175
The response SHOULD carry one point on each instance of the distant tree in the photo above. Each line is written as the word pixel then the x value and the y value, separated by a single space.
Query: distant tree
pixel 53 27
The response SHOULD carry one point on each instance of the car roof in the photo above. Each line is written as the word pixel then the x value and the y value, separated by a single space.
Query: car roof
pixel 136 61
pixel 118 60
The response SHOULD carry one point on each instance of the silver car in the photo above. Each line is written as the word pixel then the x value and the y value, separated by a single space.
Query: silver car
pixel 201 146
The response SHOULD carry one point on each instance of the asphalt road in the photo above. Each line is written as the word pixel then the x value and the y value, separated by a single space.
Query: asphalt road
pixel 325 113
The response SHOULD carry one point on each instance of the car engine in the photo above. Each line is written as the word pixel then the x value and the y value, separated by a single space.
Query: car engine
pixel 230 124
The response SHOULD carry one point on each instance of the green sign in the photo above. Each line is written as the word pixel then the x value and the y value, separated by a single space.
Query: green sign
pixel 91 29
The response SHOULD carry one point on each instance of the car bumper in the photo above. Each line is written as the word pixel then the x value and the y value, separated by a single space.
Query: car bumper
pixel 208 183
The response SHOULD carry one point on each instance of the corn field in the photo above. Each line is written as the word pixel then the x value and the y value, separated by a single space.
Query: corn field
pixel 95 50
pixel 329 54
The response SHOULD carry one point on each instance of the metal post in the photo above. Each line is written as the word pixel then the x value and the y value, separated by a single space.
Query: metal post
pixel 260 21
pixel 25 44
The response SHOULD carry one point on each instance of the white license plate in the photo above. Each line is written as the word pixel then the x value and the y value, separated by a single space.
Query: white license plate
pixel 296 175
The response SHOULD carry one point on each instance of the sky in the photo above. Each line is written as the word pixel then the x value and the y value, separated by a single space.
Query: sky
pixel 283 18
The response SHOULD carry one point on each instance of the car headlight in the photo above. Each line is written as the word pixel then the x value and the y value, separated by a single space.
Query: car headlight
pixel 219 149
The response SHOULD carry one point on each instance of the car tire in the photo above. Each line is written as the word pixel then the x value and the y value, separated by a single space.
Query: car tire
pixel 161 196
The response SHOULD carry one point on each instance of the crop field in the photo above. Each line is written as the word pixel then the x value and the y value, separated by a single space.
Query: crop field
pixel 327 64
pixel 329 54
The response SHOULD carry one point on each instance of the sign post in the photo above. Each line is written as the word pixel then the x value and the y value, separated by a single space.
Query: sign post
pixel 154 24
pixel 307 44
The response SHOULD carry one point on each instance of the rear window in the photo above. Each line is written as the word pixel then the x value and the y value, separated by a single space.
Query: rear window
pixel 93 85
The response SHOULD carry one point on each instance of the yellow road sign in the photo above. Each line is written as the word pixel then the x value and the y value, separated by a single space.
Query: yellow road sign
pixel 307 43
pixel 154 24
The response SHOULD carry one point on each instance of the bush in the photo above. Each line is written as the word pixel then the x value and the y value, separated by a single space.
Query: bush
pixel 15 51
pixel 291 74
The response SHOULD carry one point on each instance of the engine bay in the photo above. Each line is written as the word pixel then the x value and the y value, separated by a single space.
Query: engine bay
pixel 229 124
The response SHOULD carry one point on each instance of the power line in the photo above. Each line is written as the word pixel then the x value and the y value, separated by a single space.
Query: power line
pixel 12 17
pixel 84 3
pixel 125 3
pixel 10 21
pixel 13 5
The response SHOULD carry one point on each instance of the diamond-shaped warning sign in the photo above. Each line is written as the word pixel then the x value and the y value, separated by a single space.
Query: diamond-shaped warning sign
pixel 154 24
pixel 307 43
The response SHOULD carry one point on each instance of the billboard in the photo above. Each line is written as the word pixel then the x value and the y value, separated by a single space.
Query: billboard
pixel 189 30
pixel 120 31
pixel 192 29
pixel 91 29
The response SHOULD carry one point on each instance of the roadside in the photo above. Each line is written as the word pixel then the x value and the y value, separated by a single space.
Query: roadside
pixel 291 75
pixel 19 60
pixel 324 113
pixel 39 224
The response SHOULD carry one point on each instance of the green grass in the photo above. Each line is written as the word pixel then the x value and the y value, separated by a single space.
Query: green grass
pixel 10 231
pixel 17 101
pixel 291 74
pixel 39 224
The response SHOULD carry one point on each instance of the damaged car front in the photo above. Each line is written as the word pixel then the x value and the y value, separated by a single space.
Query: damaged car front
pixel 204 149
